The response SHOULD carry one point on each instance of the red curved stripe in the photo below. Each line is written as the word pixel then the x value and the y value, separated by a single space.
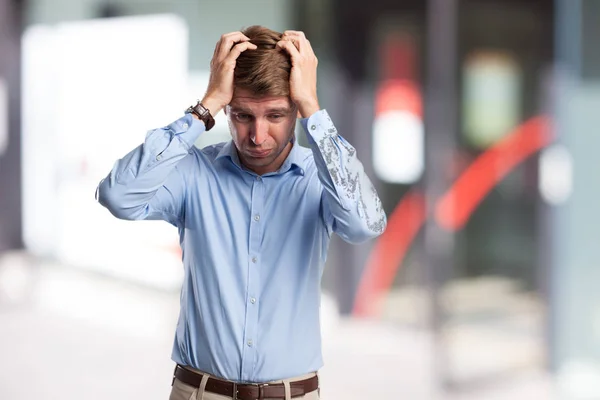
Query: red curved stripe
pixel 452 210
pixel 388 253
pixel 456 206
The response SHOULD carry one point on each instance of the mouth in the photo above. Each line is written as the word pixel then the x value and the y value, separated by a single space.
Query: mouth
pixel 259 154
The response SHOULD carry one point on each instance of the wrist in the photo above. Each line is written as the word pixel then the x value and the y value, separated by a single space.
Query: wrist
pixel 308 108
pixel 200 112
pixel 212 105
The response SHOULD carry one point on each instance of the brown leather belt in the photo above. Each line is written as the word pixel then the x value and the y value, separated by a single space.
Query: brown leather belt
pixel 239 391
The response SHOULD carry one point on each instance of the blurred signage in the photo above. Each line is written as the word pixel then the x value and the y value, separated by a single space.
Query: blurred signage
pixel 398 131
pixel 492 97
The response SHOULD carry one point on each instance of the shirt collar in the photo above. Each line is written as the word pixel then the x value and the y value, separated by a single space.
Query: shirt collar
pixel 228 150
pixel 293 161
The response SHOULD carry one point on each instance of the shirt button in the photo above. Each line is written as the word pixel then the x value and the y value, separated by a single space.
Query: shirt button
pixel 258 178
pixel 185 126
pixel 158 157
pixel 253 300
pixel 250 343
pixel 313 127
pixel 254 260
pixel 257 217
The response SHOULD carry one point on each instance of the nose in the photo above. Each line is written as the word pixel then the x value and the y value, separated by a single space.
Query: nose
pixel 259 132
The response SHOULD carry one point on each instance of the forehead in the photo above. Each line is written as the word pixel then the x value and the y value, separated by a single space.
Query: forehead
pixel 246 100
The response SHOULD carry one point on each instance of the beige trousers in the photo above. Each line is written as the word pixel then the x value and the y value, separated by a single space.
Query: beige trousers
pixel 181 391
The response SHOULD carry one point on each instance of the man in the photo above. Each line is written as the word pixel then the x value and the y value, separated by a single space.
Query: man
pixel 255 216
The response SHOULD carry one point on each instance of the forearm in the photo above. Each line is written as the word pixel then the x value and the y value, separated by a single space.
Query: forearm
pixel 135 179
pixel 350 196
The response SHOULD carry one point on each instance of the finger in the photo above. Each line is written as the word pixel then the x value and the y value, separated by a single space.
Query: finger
pixel 290 48
pixel 299 40
pixel 228 41
pixel 295 33
pixel 222 39
pixel 309 52
pixel 309 46
pixel 239 49
pixel 295 41
pixel 236 36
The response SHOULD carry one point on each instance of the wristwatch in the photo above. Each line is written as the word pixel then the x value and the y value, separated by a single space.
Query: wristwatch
pixel 203 114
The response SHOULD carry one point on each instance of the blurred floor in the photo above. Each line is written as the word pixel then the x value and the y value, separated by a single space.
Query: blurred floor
pixel 69 334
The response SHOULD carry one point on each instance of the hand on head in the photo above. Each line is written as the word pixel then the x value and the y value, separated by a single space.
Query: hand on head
pixel 303 77
pixel 220 85
pixel 303 74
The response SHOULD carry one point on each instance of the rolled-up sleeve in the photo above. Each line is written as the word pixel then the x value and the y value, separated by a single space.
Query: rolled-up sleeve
pixel 351 205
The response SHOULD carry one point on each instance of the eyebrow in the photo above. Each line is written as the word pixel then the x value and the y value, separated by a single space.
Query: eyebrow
pixel 282 110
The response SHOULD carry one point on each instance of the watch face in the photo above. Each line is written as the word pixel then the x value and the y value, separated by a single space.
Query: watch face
pixel 200 109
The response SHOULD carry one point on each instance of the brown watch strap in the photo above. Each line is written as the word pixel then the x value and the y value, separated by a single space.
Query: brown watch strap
pixel 203 114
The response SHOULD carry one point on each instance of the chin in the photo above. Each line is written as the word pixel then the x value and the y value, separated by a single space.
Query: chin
pixel 262 162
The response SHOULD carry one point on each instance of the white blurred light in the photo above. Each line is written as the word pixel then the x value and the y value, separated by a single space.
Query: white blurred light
pixel 579 380
pixel 103 303
pixel 398 147
pixel 556 174
pixel 91 91
pixel 329 315
pixel 15 278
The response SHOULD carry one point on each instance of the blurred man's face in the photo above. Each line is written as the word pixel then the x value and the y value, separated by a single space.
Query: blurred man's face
pixel 262 129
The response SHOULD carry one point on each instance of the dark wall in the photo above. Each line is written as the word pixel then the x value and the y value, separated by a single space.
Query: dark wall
pixel 10 160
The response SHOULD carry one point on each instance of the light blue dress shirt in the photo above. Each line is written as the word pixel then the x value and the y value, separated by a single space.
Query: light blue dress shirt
pixel 253 246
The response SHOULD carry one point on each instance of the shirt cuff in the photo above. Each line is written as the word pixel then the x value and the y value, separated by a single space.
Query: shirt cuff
pixel 319 125
pixel 187 128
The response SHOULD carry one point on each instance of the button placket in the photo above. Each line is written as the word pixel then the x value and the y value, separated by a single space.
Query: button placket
pixel 253 283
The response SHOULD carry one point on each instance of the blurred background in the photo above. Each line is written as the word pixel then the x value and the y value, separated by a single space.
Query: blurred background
pixel 476 119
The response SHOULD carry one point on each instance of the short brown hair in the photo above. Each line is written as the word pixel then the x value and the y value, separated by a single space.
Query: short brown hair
pixel 266 70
